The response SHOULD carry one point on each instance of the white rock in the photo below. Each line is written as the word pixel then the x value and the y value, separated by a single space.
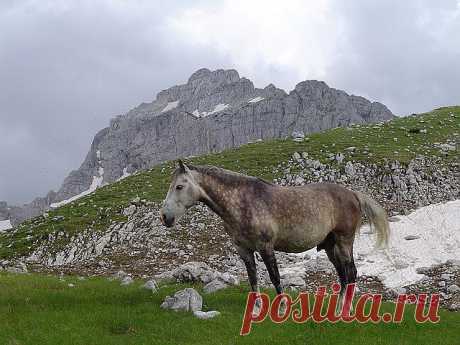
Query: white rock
pixel 296 156
pixel 453 288
pixel 119 275
pixel 339 157
pixel 151 285
pixel 446 276
pixel 19 267
pixel 214 286
pixel 204 315
pixel 187 300
pixel 130 210
pixel 126 281
pixel 349 169
pixel 229 278
pixel 292 280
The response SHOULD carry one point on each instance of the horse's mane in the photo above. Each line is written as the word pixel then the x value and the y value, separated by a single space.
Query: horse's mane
pixel 226 177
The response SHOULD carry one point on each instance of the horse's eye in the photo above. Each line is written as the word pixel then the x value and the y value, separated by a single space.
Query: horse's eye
pixel 179 187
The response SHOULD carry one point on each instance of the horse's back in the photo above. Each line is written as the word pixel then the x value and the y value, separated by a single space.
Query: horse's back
pixel 307 214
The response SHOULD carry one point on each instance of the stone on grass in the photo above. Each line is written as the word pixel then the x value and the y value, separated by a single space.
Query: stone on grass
pixel 197 272
pixel 186 300
pixel 19 267
pixel 126 281
pixel 214 286
pixel 150 285
pixel 119 275
pixel 204 315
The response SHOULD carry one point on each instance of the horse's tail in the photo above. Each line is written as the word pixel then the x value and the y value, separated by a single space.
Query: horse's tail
pixel 377 217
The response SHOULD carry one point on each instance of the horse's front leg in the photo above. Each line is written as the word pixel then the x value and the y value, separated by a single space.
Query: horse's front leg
pixel 268 256
pixel 247 255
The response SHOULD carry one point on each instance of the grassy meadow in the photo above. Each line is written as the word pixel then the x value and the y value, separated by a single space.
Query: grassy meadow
pixel 37 309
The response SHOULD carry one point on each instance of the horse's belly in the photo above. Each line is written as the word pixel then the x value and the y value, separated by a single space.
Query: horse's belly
pixel 299 239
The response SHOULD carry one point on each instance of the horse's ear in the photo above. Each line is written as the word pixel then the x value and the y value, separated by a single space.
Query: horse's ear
pixel 182 166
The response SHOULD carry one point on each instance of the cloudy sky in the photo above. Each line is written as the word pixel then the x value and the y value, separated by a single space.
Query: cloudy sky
pixel 67 67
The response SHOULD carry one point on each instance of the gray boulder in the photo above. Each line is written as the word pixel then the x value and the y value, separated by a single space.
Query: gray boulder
pixel 184 300
pixel 130 210
pixel 126 281
pixel 151 285
pixel 214 286
pixel 453 288
pixel 197 272
pixel 18 267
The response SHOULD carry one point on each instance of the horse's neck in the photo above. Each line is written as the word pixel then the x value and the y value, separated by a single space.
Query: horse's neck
pixel 215 198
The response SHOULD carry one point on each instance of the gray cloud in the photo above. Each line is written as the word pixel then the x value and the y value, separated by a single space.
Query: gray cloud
pixel 65 71
pixel 66 68
pixel 404 53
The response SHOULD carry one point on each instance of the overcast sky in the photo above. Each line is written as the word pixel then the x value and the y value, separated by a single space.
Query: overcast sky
pixel 67 67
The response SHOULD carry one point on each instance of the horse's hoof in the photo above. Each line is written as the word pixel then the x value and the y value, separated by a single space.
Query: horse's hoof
pixel 282 308
pixel 257 308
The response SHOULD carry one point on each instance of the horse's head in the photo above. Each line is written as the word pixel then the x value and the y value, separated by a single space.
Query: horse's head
pixel 183 193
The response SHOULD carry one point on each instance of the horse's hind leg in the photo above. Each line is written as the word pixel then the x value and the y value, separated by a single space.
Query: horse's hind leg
pixel 340 253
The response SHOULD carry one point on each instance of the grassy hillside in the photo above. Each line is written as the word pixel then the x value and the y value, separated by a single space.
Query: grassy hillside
pixel 45 310
pixel 401 139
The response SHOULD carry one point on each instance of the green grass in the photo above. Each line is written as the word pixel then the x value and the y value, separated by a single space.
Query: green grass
pixel 38 309
pixel 374 143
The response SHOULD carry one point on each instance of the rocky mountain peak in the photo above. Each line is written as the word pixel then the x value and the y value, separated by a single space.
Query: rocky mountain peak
pixel 218 76
pixel 213 111
pixel 311 85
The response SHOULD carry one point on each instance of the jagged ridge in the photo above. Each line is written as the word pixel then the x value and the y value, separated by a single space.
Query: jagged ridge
pixel 213 111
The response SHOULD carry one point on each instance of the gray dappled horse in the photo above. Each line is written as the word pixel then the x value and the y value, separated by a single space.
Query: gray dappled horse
pixel 264 217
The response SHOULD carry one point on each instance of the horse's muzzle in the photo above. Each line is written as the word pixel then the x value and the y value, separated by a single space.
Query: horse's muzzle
pixel 166 221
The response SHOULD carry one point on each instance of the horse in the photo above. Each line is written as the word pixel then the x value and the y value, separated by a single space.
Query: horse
pixel 263 217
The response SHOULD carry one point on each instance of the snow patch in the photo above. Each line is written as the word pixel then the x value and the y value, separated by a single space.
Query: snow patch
pixel 5 225
pixel 98 154
pixel 125 174
pixel 438 228
pixel 170 106
pixel 96 183
pixel 219 107
pixel 255 100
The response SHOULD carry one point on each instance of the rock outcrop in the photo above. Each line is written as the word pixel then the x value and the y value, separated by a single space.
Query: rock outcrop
pixel 213 111
pixel 197 248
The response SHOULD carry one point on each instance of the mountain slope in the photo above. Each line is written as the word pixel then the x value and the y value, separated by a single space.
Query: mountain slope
pixel 387 150
pixel 212 112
